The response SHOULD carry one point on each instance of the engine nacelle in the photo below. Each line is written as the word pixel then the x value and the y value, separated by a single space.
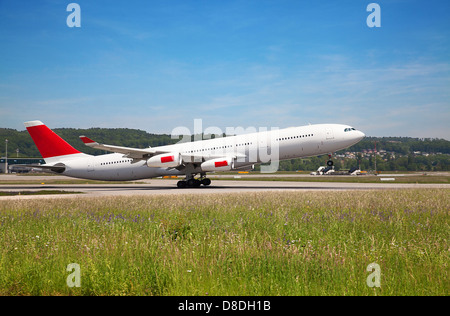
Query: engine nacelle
pixel 169 160
pixel 243 167
pixel 219 164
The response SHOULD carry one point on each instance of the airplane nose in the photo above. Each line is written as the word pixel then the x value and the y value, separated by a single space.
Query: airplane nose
pixel 361 135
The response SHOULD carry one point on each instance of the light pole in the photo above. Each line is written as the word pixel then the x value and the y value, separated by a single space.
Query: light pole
pixel 6 158
pixel 375 142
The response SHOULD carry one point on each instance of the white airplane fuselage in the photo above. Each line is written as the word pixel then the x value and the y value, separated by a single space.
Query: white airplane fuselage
pixel 254 148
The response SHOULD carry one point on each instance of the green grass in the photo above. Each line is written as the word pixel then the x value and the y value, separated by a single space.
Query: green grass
pixel 349 179
pixel 286 243
pixel 41 192
pixel 65 181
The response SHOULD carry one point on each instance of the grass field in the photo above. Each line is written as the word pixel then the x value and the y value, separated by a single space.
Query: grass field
pixel 40 192
pixel 286 243
pixel 421 179
pixel 65 181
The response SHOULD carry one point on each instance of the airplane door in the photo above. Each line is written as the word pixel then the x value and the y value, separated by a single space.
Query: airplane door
pixel 90 166
pixel 329 133
pixel 263 142
pixel 264 147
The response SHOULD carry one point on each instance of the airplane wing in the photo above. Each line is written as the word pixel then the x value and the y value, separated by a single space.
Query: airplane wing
pixel 134 153
pixel 201 158
pixel 140 154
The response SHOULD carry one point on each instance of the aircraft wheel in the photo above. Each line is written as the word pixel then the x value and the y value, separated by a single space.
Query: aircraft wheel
pixel 181 184
pixel 197 183
pixel 190 183
pixel 206 181
pixel 329 163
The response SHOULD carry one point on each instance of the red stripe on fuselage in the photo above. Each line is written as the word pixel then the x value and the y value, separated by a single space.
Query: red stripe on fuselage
pixel 48 143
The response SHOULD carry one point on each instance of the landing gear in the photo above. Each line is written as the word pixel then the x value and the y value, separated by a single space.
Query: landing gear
pixel 206 181
pixel 193 183
pixel 329 162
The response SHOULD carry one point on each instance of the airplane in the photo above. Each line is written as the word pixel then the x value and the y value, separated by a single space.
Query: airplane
pixel 189 159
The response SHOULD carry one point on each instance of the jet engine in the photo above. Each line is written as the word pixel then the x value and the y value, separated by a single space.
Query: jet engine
pixel 219 164
pixel 169 160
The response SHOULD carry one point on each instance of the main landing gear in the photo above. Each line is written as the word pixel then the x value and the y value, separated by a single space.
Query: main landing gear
pixel 193 183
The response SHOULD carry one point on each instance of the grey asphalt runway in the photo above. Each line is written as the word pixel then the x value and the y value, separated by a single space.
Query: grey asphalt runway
pixel 168 186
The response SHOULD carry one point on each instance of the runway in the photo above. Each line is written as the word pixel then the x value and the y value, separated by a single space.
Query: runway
pixel 168 187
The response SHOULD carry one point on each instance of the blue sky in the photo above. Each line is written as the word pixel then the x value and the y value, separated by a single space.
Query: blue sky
pixel 156 65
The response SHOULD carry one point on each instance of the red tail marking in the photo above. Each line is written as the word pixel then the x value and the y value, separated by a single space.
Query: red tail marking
pixel 221 164
pixel 48 143
pixel 167 159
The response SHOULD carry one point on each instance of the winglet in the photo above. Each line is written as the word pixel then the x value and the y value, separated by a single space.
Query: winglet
pixel 87 141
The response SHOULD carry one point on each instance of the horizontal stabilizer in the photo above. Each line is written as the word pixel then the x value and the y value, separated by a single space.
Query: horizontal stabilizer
pixel 59 167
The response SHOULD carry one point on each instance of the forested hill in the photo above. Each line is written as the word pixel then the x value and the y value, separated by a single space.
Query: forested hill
pixel 140 139
pixel 113 136
pixel 403 145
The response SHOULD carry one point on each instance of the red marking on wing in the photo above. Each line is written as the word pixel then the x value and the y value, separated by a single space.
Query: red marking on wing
pixel 87 140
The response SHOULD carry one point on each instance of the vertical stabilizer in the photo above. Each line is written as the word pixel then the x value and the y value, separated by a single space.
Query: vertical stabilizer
pixel 49 144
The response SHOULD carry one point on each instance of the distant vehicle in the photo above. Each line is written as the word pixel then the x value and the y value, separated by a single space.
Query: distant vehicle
pixel 329 170
pixel 18 169
pixel 354 171
pixel 189 159
pixel 323 170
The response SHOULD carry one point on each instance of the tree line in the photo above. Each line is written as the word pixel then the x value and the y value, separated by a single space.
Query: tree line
pixel 440 162
pixel 403 145
pixel 399 153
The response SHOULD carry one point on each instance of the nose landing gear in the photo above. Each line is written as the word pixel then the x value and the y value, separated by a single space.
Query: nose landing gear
pixel 329 162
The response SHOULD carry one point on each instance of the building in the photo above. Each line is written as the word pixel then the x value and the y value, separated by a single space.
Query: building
pixel 18 161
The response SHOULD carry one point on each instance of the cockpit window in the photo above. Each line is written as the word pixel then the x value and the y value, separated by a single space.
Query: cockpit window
pixel 348 129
